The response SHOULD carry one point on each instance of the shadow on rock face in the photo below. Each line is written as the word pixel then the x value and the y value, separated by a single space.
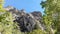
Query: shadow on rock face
pixel 26 23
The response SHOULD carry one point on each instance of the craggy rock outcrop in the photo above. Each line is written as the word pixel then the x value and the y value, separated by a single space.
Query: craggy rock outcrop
pixel 27 21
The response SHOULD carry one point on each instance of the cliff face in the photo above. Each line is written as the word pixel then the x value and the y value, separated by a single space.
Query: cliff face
pixel 27 21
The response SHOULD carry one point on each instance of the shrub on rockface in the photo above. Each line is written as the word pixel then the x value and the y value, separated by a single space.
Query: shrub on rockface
pixel 37 31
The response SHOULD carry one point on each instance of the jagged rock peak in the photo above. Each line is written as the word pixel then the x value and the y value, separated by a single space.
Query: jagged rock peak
pixel 22 10
pixel 9 8
pixel 36 13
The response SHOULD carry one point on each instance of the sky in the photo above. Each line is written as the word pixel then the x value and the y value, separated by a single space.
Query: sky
pixel 28 5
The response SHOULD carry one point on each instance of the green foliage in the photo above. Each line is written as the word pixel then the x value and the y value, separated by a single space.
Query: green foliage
pixel 37 31
pixel 7 26
pixel 1 4
pixel 52 14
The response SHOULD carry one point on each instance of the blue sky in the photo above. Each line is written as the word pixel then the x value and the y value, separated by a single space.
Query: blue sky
pixel 28 5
